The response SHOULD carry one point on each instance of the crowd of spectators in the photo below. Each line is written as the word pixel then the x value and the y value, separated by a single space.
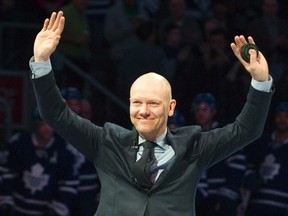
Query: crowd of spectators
pixel 188 42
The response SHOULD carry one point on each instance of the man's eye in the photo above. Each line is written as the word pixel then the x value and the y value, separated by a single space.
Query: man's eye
pixel 154 104
pixel 136 103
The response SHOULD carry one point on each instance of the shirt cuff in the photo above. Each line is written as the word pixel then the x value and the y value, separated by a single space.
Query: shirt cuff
pixel 262 86
pixel 40 69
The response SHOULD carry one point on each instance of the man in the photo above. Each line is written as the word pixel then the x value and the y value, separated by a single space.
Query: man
pixel 269 191
pixel 181 155
pixel 222 195
pixel 39 176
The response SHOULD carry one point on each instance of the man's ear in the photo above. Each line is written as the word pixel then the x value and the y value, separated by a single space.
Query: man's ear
pixel 172 107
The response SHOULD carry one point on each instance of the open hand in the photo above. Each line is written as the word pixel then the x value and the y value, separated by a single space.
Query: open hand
pixel 48 38
pixel 257 67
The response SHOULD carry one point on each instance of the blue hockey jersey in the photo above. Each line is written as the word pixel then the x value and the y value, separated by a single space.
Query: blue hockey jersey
pixel 270 193
pixel 42 177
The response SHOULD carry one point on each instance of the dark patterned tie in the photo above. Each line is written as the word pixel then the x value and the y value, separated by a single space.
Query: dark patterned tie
pixel 142 166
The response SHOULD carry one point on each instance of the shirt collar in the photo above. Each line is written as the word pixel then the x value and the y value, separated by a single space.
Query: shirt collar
pixel 160 141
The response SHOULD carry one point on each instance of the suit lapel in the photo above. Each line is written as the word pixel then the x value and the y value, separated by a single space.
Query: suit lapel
pixel 178 142
pixel 179 145
pixel 130 146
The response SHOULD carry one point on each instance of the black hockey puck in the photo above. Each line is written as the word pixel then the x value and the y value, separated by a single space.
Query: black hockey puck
pixel 245 51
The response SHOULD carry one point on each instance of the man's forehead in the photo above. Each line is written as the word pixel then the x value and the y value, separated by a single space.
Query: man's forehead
pixel 146 96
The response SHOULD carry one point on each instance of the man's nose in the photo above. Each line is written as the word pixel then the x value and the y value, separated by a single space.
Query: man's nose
pixel 144 110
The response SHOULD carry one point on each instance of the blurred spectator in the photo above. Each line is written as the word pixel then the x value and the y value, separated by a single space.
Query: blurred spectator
pixel 219 60
pixel 122 20
pixel 75 43
pixel 175 53
pixel 96 13
pixel 76 36
pixel 140 57
pixel 219 13
pixel 171 42
pixel 271 33
pixel 267 174
pixel 88 191
pixel 39 178
pixel 222 16
pixel 224 178
pixel 204 109
pixel 231 16
pixel 208 26
pixel 190 30
pixel 216 53
pixel 188 76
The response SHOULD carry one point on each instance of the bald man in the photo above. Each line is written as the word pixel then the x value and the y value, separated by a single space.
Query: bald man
pixel 177 158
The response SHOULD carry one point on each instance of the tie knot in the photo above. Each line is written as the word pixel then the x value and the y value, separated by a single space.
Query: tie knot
pixel 148 144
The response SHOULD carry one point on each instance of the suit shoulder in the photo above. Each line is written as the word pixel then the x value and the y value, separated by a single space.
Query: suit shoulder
pixel 187 130
pixel 114 128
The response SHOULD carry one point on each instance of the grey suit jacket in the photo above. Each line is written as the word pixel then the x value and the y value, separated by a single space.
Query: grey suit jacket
pixel 113 148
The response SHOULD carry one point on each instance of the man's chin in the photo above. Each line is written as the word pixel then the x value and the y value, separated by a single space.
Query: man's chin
pixel 143 129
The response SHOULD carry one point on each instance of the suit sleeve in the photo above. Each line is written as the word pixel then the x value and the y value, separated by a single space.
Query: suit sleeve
pixel 54 110
pixel 219 143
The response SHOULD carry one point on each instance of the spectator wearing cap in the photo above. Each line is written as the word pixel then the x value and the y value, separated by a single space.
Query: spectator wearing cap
pixel 267 177
pixel 88 191
pixel 219 188
pixel 73 98
pixel 39 178
pixel 204 108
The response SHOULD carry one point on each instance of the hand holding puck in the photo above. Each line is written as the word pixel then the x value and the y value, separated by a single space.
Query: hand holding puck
pixel 245 51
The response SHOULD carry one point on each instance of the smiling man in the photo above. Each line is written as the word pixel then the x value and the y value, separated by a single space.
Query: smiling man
pixel 170 162
pixel 150 105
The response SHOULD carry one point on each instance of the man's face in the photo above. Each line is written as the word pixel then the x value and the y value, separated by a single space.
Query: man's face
pixel 204 114
pixel 281 121
pixel 150 106
pixel 44 130
pixel 74 105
